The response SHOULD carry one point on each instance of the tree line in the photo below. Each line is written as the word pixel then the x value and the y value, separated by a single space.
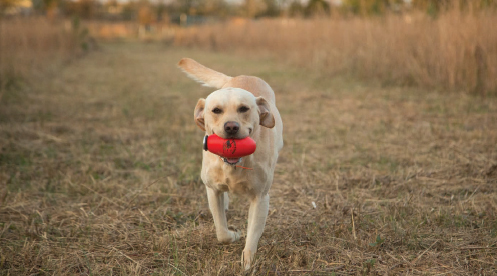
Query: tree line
pixel 171 9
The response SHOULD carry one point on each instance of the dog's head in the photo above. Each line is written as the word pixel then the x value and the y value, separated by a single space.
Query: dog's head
pixel 233 113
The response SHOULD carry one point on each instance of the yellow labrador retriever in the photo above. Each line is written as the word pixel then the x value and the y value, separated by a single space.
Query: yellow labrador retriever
pixel 243 106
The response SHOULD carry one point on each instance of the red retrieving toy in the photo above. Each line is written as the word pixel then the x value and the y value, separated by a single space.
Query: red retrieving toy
pixel 229 148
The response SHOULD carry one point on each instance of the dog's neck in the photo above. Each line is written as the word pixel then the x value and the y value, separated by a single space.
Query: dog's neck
pixel 245 163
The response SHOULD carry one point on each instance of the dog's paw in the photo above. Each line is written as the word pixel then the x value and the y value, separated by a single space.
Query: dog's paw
pixel 237 234
pixel 229 236
pixel 247 258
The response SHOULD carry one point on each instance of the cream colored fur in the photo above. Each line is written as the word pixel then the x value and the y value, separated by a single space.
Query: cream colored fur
pixel 262 122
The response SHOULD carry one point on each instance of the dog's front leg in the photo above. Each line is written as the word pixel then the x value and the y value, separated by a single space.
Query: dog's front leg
pixel 217 206
pixel 258 211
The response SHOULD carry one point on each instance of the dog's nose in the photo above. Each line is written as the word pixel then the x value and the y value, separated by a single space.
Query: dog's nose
pixel 231 127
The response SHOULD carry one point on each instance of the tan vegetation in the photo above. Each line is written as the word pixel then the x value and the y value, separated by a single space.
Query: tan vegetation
pixel 99 174
pixel 108 31
pixel 33 46
pixel 455 51
pixel 112 30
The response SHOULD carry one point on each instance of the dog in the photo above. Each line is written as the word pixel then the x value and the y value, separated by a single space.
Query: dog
pixel 243 106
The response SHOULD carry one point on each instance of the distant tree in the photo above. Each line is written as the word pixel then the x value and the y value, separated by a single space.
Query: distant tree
pixel 46 7
pixel 317 8
pixel 82 8
pixel 250 8
pixel 261 8
pixel 433 7
pixel 5 4
pixel 370 7
pixel 272 8
pixel 296 8
pixel 161 10
pixel 145 15
pixel 187 6
pixel 129 10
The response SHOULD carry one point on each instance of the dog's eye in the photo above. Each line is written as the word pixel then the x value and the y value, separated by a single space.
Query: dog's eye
pixel 243 109
pixel 217 111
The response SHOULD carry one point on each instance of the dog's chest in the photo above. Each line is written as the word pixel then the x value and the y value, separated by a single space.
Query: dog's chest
pixel 228 181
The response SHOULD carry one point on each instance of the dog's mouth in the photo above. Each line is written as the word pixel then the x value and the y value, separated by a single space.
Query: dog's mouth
pixel 237 136
pixel 231 161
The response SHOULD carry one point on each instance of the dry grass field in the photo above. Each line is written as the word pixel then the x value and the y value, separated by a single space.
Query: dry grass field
pixel 31 47
pixel 457 50
pixel 100 163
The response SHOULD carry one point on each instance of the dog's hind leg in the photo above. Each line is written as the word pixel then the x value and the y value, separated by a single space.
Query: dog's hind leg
pixel 258 211
pixel 217 204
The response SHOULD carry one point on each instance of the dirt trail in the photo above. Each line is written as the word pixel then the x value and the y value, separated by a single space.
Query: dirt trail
pixel 101 167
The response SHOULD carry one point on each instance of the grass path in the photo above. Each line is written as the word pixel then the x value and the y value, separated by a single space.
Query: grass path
pixel 100 162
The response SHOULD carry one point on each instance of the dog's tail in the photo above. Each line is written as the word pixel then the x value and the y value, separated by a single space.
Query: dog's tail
pixel 202 74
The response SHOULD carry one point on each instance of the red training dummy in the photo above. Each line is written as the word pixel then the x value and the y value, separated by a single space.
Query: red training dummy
pixel 229 148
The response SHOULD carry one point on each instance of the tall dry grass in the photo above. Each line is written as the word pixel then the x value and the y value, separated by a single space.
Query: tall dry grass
pixel 455 51
pixel 100 175
pixel 30 46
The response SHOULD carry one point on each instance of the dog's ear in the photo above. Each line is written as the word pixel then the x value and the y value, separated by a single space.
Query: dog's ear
pixel 198 114
pixel 266 118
